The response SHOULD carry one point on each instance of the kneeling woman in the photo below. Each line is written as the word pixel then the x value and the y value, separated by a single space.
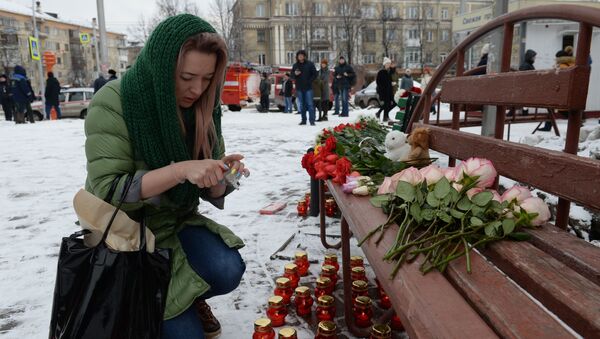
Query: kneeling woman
pixel 161 124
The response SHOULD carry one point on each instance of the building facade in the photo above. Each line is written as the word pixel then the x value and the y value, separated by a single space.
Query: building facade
pixel 75 61
pixel 413 33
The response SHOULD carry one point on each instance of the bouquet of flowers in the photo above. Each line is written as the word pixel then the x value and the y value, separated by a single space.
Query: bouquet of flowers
pixel 445 213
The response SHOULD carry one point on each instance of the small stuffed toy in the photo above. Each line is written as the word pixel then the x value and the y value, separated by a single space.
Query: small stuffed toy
pixel 419 144
pixel 396 147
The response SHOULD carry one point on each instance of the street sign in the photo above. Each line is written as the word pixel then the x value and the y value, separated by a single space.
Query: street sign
pixel 49 60
pixel 84 38
pixel 34 48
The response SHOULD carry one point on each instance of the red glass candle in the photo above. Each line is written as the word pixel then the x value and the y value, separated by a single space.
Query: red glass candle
pixel 360 288
pixel 363 311
pixel 380 331
pixel 277 311
pixel 330 207
pixel 302 208
pixel 301 261
pixel 263 329
pixel 283 289
pixel 356 261
pixel 328 271
pixel 397 323
pixel 291 272
pixel 303 301
pixel 326 330
pixel 332 259
pixel 307 198
pixel 384 299
pixel 287 333
pixel 324 287
pixel 325 308
pixel 358 273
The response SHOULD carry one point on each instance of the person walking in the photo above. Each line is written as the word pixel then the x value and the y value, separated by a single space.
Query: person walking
pixel 6 99
pixel 407 82
pixel 52 94
pixel 287 89
pixel 384 89
pixel 265 91
pixel 344 75
pixel 112 75
pixel 304 73
pixel 99 82
pixel 485 50
pixel 528 61
pixel 167 135
pixel 23 95
pixel 324 89
pixel 316 88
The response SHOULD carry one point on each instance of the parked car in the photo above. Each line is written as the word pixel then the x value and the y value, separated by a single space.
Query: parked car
pixel 368 96
pixel 74 103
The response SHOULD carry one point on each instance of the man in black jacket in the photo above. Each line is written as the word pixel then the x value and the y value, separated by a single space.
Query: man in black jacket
pixel 344 77
pixel 304 72
pixel 52 93
pixel 528 61
pixel 384 88
pixel 22 94
pixel 287 88
pixel 6 98
pixel 113 75
pixel 265 90
pixel 99 82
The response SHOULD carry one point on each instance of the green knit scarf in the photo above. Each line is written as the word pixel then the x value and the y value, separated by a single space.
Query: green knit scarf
pixel 149 105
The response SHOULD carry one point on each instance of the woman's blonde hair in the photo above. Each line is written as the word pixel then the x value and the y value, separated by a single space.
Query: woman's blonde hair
pixel 206 136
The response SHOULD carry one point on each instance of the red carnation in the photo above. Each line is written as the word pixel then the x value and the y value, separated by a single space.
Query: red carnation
pixel 330 144
pixel 343 168
pixel 307 163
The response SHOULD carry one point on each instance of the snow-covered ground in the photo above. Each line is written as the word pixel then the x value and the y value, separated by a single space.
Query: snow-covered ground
pixel 43 166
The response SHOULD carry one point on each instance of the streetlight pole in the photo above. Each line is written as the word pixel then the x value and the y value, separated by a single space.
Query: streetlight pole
pixel 40 70
pixel 98 71
pixel 102 26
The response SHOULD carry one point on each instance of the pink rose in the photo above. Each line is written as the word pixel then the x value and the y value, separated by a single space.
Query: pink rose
pixel 450 173
pixel 482 168
pixel 473 191
pixel 349 186
pixel 410 175
pixel 519 193
pixel 432 174
pixel 536 205
pixel 386 186
pixel 497 196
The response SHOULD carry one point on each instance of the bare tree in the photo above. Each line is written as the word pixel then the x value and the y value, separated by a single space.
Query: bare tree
pixel 306 18
pixel 141 30
pixel 390 26
pixel 165 8
pixel 9 50
pixel 350 13
pixel 221 16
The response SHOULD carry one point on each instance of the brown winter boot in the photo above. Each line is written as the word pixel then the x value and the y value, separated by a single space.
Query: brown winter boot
pixel 212 327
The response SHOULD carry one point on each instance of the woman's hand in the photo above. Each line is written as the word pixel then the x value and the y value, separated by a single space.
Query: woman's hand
pixel 234 161
pixel 202 173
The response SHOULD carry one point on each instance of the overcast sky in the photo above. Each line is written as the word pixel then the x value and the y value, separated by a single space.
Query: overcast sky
pixel 120 14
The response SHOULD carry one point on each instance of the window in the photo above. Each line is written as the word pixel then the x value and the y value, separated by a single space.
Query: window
pixel 368 12
pixel 444 13
pixel 390 12
pixel 445 35
pixel 443 57
pixel 344 9
pixel 369 35
pixel 290 57
pixel 429 12
pixel 260 10
pixel 76 96
pixel 59 61
pixel 262 59
pixel 319 8
pixel 89 95
pixel 368 58
pixel 342 34
pixel 391 35
pixel 412 12
pixel 66 47
pixel 428 58
pixel 291 8
pixel 61 96
pixel 320 34
pixel 413 34
pixel 429 36
pixel 293 33
pixel 261 35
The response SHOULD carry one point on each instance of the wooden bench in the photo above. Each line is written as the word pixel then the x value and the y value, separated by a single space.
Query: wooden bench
pixel 547 287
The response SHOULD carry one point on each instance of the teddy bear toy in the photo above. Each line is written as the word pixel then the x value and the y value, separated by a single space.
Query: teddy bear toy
pixel 419 145
pixel 396 147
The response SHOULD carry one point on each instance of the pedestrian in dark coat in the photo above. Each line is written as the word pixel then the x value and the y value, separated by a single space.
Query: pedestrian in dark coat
pixel 265 91
pixel 304 73
pixel 407 82
pixel 287 89
pixel 344 78
pixel 52 94
pixel 98 83
pixel 528 61
pixel 485 50
pixel 112 75
pixel 323 78
pixel 23 95
pixel 6 99
pixel 384 88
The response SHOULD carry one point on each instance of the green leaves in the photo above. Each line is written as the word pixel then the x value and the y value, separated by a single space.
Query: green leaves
pixel 508 226
pixel 442 188
pixel 432 200
pixel 405 191
pixel 476 221
pixel 464 204
pixel 380 200
pixel 482 199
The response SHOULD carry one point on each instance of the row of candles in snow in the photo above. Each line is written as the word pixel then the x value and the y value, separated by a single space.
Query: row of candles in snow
pixel 303 206
pixel 325 330
pixel 287 286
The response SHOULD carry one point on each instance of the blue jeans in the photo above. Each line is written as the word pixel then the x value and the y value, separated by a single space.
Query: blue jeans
pixel 288 105
pixel 306 104
pixel 343 95
pixel 49 108
pixel 220 266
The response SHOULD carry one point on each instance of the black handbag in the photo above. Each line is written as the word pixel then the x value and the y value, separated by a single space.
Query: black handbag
pixel 103 293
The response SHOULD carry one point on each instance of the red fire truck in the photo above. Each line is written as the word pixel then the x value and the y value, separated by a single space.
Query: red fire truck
pixel 241 85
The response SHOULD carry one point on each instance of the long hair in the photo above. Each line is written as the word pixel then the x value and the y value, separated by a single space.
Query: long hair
pixel 206 136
